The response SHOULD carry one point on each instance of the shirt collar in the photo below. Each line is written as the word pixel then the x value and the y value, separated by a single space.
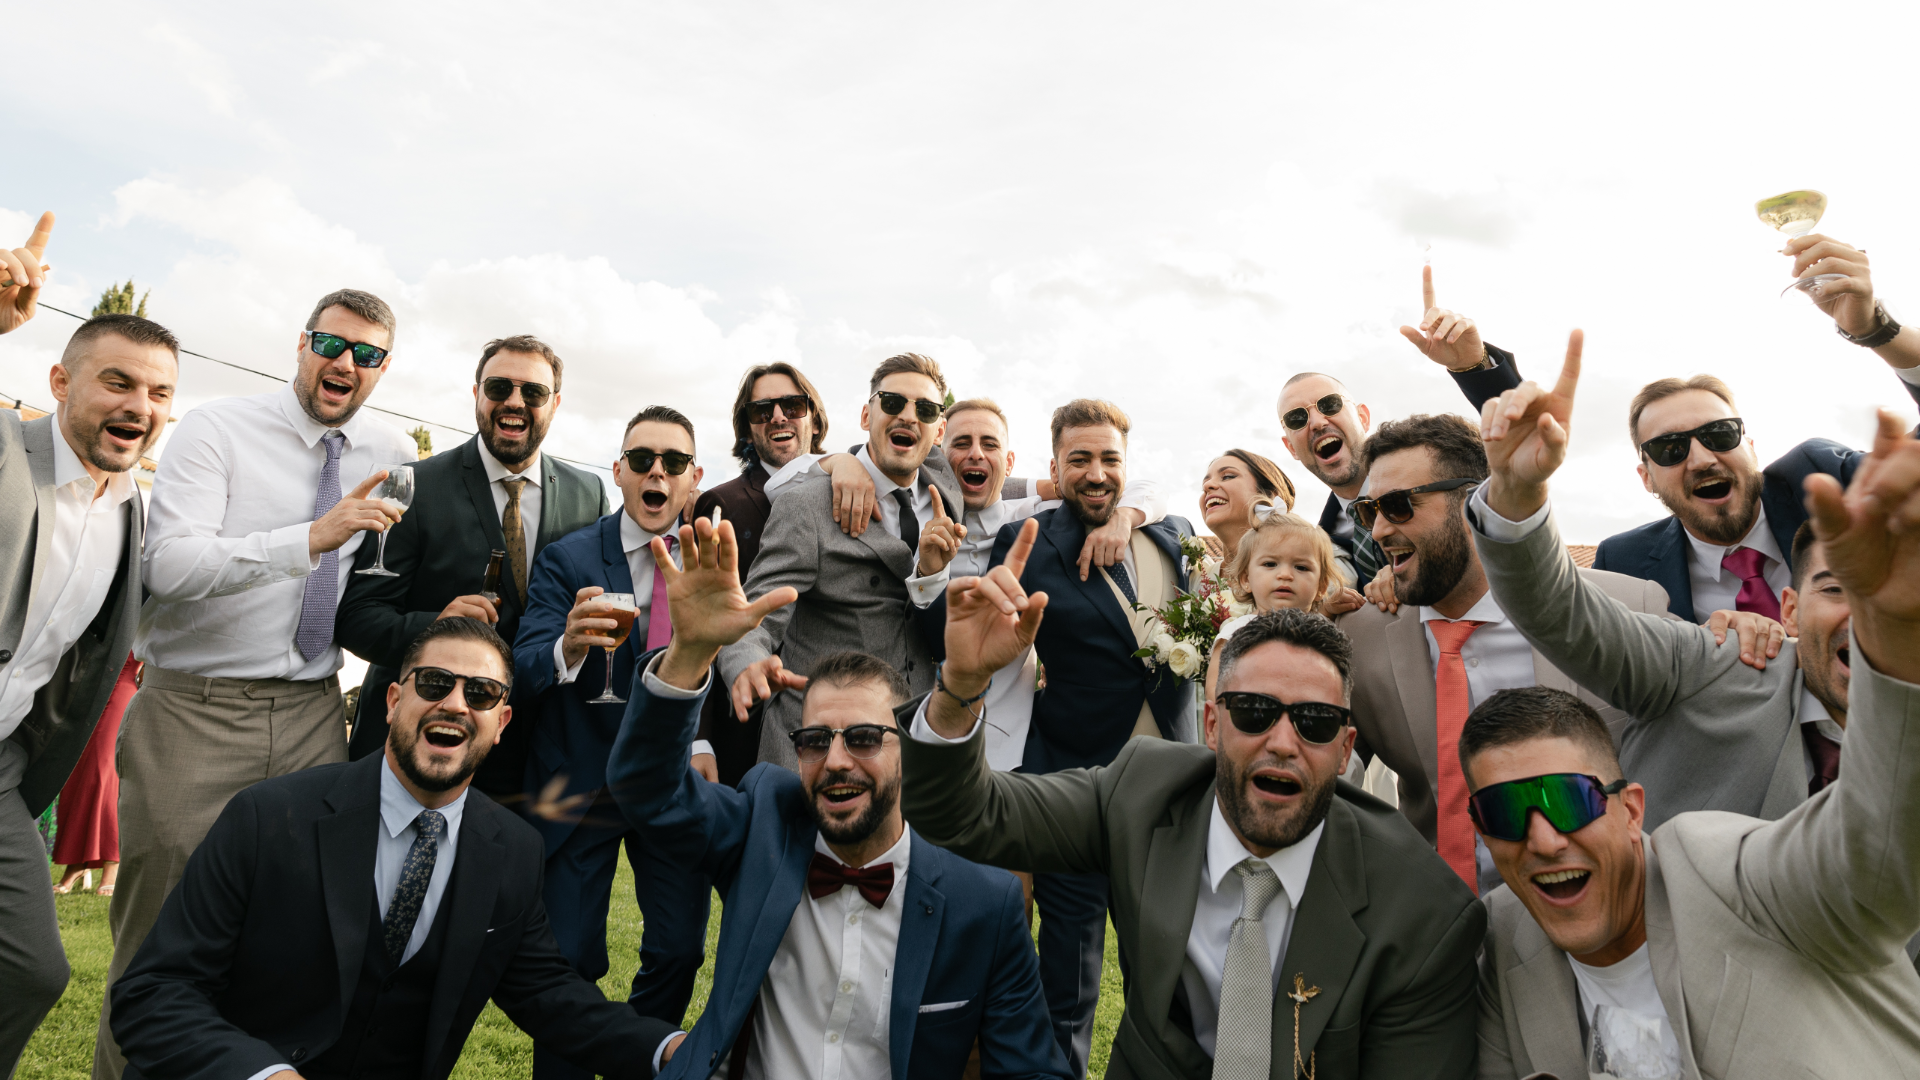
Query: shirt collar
pixel 881 481
pixel 1291 865
pixel 398 807
pixel 1485 610
pixel 497 472
pixel 311 431
pixel 1813 712
pixel 898 854
pixel 68 468
pixel 632 536
pixel 1759 538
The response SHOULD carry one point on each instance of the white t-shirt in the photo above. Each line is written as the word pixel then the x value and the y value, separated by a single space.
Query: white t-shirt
pixel 1635 1031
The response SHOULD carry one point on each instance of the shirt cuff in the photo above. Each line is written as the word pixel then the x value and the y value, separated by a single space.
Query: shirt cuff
pixel 287 551
pixel 1144 496
pixel 1498 529
pixel 657 1051
pixel 702 746
pixel 660 689
pixel 925 590
pixel 271 1069
pixel 924 732
pixel 1909 374
pixel 562 674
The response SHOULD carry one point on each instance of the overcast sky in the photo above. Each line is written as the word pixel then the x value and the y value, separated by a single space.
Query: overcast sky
pixel 1171 206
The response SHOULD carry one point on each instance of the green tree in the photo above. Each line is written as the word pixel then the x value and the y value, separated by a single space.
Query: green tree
pixel 118 300
pixel 423 439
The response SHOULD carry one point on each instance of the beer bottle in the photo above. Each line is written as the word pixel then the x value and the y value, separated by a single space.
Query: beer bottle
pixel 491 589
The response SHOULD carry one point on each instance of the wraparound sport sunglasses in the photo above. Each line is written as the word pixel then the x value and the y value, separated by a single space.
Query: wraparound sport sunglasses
pixel 434 684
pixel 332 345
pixel 1673 447
pixel 1315 721
pixel 1569 801
pixel 1295 419
pixel 1397 506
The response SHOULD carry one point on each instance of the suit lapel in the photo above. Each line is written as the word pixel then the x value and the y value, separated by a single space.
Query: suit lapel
pixel 613 555
pixel 1413 676
pixel 37 436
pixel 923 909
pixel 1167 539
pixel 555 491
pixel 1663 951
pixel 1066 534
pixel 481 494
pixel 1170 889
pixel 889 549
pixel 1546 1005
pixel 1787 788
pixel 754 480
pixel 1325 941
pixel 473 885
pixel 348 841
pixel 1668 568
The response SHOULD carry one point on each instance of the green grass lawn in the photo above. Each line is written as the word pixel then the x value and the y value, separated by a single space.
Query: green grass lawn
pixel 63 1047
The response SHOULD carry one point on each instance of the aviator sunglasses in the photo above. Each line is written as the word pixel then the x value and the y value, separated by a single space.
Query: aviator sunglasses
pixel 640 460
pixel 793 406
pixel 1673 447
pixel 1569 801
pixel 810 744
pixel 1397 506
pixel 332 345
pixel 434 684
pixel 500 388
pixel 891 404
pixel 1315 721
pixel 1295 419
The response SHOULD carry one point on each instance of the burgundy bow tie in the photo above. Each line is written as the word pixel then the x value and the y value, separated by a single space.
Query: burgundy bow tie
pixel 825 876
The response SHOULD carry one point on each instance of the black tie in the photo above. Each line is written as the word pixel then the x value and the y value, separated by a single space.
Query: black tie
pixel 909 524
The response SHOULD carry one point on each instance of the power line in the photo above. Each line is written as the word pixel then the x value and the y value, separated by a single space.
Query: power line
pixel 375 408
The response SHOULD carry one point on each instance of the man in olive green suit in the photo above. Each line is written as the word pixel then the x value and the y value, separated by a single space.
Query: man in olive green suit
pixel 1276 921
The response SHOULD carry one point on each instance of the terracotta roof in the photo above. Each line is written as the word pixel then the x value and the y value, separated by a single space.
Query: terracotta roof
pixel 1583 554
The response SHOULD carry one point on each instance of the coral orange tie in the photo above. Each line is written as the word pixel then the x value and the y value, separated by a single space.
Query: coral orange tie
pixel 1451 704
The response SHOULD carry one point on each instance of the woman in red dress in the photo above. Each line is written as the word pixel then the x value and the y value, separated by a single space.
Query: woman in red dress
pixel 87 818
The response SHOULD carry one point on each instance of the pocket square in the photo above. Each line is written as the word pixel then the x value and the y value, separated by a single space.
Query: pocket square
pixel 944 1006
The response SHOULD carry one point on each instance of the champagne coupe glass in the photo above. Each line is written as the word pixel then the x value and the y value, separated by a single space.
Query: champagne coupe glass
pixel 1795 214
pixel 397 492
pixel 622 613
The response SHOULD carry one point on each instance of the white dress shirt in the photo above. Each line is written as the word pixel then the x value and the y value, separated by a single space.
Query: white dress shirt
pixel 76 572
pixel 1222 894
pixel 1715 588
pixel 529 492
pixel 226 558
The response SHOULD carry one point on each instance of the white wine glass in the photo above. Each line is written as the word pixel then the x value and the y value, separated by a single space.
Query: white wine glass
pixel 622 611
pixel 397 492
pixel 1795 213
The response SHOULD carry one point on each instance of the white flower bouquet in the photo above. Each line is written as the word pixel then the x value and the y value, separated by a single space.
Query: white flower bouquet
pixel 1188 624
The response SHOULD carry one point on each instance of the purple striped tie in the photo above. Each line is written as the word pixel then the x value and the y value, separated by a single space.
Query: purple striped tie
pixel 323 585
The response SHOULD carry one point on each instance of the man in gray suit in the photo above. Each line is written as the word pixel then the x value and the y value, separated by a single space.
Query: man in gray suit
pixel 1721 945
pixel 70 568
pixel 853 590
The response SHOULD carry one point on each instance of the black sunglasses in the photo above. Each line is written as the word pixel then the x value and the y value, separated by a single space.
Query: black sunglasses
pixel 500 388
pixel 1315 721
pixel 1673 447
pixel 793 406
pixel 1569 801
pixel 1397 506
pixel 891 404
pixel 434 684
pixel 1295 419
pixel 332 345
pixel 810 744
pixel 640 460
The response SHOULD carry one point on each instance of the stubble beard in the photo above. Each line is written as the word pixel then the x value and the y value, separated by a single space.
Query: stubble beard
pixel 1441 566
pixel 1268 829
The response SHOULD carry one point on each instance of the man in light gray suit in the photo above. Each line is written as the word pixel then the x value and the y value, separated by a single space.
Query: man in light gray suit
pixel 1722 944
pixel 69 604
pixel 853 590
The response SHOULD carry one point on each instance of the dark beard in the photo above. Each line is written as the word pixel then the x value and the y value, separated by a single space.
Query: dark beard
pixel 1230 785
pixel 1087 517
pixel 514 455
pixel 1725 527
pixel 404 738
pixel 857 831
pixel 1442 564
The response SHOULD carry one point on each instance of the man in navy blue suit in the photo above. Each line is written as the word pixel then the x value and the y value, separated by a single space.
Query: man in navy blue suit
pixel 560 663
pixel 849 946
pixel 1729 541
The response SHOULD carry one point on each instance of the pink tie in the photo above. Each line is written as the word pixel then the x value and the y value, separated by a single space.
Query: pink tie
pixel 1452 703
pixel 659 620
pixel 1755 594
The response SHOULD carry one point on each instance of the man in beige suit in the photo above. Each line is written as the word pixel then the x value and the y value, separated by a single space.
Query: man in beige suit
pixel 1722 945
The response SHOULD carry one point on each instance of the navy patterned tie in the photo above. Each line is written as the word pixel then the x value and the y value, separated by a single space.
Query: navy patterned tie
pixel 415 874
pixel 323 585
pixel 1118 572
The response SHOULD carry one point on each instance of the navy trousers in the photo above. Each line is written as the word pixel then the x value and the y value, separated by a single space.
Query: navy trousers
pixel 674 905
pixel 1073 938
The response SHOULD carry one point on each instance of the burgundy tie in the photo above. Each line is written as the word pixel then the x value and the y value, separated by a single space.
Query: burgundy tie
pixel 1826 758
pixel 659 619
pixel 825 877
pixel 1755 594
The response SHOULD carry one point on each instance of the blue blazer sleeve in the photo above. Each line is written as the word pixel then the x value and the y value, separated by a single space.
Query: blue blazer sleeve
pixel 548 600
pixel 1016 1038
pixel 699 825
pixel 1485 385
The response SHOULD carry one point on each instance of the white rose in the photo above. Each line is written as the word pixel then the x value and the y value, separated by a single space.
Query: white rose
pixel 1162 647
pixel 1184 659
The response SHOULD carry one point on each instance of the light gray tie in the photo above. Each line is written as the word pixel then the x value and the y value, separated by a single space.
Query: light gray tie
pixel 1243 1038
pixel 322 595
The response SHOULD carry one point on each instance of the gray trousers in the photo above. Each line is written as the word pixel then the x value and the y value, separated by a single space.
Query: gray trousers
pixel 33 966
pixel 187 745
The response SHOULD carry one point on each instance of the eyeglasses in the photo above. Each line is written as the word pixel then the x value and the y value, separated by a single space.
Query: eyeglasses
pixel 332 345
pixel 500 388
pixel 1673 447
pixel 1397 506
pixel 810 744
pixel 1315 721
pixel 1569 801
pixel 794 406
pixel 1295 419
pixel 925 411
pixel 640 460
pixel 434 684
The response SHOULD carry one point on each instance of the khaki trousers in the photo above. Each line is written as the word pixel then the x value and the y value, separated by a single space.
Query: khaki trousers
pixel 187 745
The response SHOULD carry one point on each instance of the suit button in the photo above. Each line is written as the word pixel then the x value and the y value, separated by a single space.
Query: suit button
pixel 5 655
pixel 873 581
pixel 713 1059
pixel 299 1054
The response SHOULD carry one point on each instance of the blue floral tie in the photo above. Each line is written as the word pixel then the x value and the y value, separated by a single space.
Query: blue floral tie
pixel 415 874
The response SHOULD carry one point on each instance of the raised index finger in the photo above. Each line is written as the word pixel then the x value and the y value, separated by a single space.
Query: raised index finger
pixel 42 233
pixel 939 510
pixel 366 486
pixel 1426 288
pixel 1022 547
pixel 1570 371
